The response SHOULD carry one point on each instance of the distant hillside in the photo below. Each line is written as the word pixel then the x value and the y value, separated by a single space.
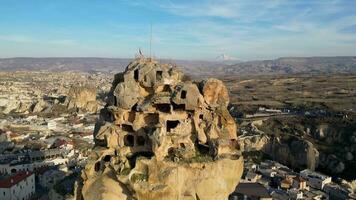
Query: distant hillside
pixel 292 65
pixel 92 64
pixel 288 65
pixel 61 64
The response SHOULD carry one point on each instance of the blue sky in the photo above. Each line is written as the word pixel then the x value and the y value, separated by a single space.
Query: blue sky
pixel 182 29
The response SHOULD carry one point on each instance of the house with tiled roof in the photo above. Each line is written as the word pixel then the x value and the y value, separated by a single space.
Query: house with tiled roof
pixel 19 186
pixel 286 183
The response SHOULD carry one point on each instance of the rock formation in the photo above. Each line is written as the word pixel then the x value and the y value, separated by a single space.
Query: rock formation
pixel 160 137
pixel 297 153
pixel 82 97
pixel 253 139
pixel 13 104
pixel 331 163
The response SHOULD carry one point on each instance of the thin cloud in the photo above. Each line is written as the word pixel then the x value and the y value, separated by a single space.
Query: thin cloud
pixel 17 38
pixel 27 39
pixel 63 42
pixel 246 29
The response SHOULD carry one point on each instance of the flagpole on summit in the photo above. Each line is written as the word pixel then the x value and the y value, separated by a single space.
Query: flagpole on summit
pixel 151 40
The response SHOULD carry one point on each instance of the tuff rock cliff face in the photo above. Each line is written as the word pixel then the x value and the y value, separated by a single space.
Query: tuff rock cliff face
pixel 160 137
pixel 77 99
pixel 295 152
pixel 82 97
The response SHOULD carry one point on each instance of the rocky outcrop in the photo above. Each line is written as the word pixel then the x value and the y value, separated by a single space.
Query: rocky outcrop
pixel 253 143
pixel 332 133
pixel 326 143
pixel 15 105
pixel 331 163
pixel 40 106
pixel 349 156
pixel 79 98
pixel 297 153
pixel 152 179
pixel 82 97
pixel 160 137
pixel 252 139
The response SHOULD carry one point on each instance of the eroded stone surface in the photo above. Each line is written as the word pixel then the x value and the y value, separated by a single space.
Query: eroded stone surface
pixel 160 137
pixel 82 97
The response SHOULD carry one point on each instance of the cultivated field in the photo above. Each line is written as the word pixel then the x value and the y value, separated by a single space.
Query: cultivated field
pixel 334 92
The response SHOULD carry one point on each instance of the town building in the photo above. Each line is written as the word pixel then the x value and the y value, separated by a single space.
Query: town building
pixel 20 186
pixel 336 191
pixel 315 194
pixel 30 166
pixel 295 194
pixel 286 183
pixel 250 191
pixel 299 183
pixel 252 176
pixel 315 179
pixel 52 125
pixel 268 172
pixel 33 155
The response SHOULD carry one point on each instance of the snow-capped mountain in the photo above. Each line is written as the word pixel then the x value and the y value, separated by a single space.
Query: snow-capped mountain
pixel 225 57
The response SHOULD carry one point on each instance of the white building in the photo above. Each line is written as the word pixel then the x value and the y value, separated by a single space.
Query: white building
pixel 16 167
pixel 268 172
pixel 52 125
pixel 314 179
pixel 20 186
pixel 90 128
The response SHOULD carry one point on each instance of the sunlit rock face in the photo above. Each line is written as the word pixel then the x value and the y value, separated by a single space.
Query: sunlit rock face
pixel 160 137
pixel 82 97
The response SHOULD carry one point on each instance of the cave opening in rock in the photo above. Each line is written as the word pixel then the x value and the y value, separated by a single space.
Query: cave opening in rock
pixel 115 101
pixel 183 94
pixel 171 152
pixel 166 88
pixel 107 115
pixel 159 75
pixel 97 166
pixel 127 128
pixel 132 158
pixel 107 158
pixel 203 149
pixel 136 74
pixel 166 108
pixel 177 107
pixel 171 124
pixel 219 122
pixel 140 140
pixel 134 107
pixel 182 145
pixel 129 140
pixel 102 143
